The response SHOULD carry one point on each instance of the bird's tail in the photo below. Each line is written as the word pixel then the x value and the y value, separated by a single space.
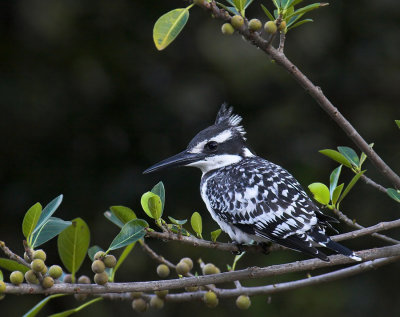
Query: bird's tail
pixel 319 236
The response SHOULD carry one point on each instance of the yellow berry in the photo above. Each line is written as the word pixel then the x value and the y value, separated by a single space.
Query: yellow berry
pixel 98 266
pixel 37 265
pixel 55 271
pixel 156 302
pixel 282 26
pixel 255 25
pixel 16 277
pixel 135 295
pixel 31 277
pixel 227 29
pixel 83 280
pixel 182 268
pixel 243 302
pixel 99 254
pixel 47 282
pixel 237 21
pixel 188 261
pixel 110 261
pixel 210 299
pixel 163 270
pixel 139 305
pixel 270 27
pixel 101 278
pixel 209 269
pixel 2 287
pixel 39 254
pixel 162 293
pixel 191 289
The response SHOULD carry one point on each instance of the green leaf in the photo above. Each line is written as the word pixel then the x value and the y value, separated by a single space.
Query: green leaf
pixel 398 123
pixel 394 194
pixel 289 3
pixel 215 234
pixel 300 23
pixel 48 230
pixel 320 192
pixel 151 204
pixel 93 250
pixel 122 258
pixel 38 307
pixel 297 2
pixel 177 222
pixel 268 14
pixel 159 190
pixel 77 309
pixel 48 211
pixel 11 265
pixel 293 19
pixel 336 193
pixel 73 243
pixel 31 219
pixel 240 5
pixel 131 232
pixel 124 214
pixel 336 156
pixel 178 230
pixel 351 184
pixel 363 156
pixel 196 223
pixel 1 276
pixel 247 3
pixel 168 27
pixel 307 8
pixel 333 179
pixel 113 218
pixel 277 3
pixel 350 155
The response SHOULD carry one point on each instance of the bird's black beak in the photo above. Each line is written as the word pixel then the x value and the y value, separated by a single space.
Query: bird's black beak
pixel 180 159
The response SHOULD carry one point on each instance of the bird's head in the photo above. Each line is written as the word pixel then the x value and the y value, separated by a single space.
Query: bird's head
pixel 221 144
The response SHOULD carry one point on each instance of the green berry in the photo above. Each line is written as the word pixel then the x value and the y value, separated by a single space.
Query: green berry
pixel 101 278
pixel 37 265
pixel 161 294
pixel 135 295
pixel 110 261
pixel 182 268
pixel 270 27
pixel 39 254
pixel 55 271
pixel 16 277
pixel 227 29
pixel 47 282
pixel 209 269
pixel 98 266
pixel 139 305
pixel 67 279
pixel 237 21
pixel 83 280
pixel 31 277
pixel 282 26
pixel 2 287
pixel 210 299
pixel 191 289
pixel 156 302
pixel 255 25
pixel 44 271
pixel 188 261
pixel 243 302
pixel 163 270
pixel 99 254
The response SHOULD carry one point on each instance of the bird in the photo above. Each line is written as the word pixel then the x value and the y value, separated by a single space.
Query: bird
pixel 252 199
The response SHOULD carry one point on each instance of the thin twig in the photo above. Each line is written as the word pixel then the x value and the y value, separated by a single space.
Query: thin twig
pixel 282 39
pixel 12 255
pixel 370 182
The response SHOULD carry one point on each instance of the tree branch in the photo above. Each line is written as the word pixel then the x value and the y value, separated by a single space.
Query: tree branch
pixel 369 181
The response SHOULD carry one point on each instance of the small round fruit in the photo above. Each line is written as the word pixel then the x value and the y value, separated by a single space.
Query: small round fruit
pixel 243 302
pixel 67 278
pixel 37 265
pixel 255 25
pixel 282 26
pixel 210 299
pixel 188 261
pixel 156 302
pixel 80 296
pixel 101 278
pixel 47 282
pixel 55 271
pixel 161 294
pixel 99 254
pixel 191 289
pixel 182 268
pixel 270 27
pixel 16 277
pixel 139 305
pixel 44 271
pixel 209 269
pixel 163 270
pixel 110 261
pixel 2 287
pixel 237 21
pixel 227 29
pixel 83 280
pixel 135 295
pixel 98 266
pixel 39 254
pixel 31 277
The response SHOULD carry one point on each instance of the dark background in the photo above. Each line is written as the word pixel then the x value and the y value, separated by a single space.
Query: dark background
pixel 87 103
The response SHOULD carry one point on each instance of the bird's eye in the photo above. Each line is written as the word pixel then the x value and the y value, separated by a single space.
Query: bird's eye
pixel 211 146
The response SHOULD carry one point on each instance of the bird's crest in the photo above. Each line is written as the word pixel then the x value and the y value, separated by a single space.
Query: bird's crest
pixel 225 116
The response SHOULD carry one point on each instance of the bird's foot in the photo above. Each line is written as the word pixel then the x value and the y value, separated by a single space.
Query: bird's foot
pixel 265 247
pixel 239 246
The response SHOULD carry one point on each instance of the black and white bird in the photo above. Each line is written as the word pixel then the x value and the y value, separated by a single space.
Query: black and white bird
pixel 249 197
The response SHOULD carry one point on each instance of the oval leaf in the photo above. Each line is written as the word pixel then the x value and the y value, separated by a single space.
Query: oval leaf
pixel 215 234
pixel 320 192
pixel 159 190
pixel 51 228
pixel 169 26
pixel 131 232
pixel 336 193
pixel 333 179
pixel 11 265
pixel 336 156
pixel 177 222
pixel 196 223
pixel 1 276
pixel 350 155
pixel 151 204
pixel 113 218
pixel 31 219
pixel 73 244
pixel 38 307
pixel 48 211
pixel 124 214
pixel 394 194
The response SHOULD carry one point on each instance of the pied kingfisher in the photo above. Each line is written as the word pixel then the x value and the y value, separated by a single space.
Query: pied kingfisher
pixel 249 197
